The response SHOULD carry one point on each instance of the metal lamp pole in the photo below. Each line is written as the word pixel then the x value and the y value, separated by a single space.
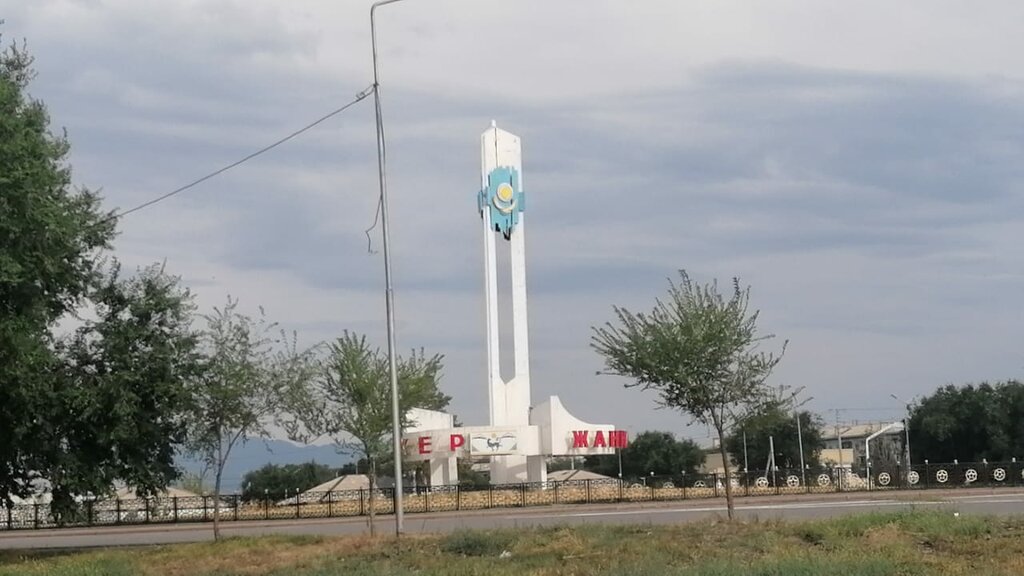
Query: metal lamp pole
pixel 389 294
pixel 800 442
pixel 906 427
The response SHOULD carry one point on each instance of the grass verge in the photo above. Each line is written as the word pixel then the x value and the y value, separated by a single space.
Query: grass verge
pixel 911 543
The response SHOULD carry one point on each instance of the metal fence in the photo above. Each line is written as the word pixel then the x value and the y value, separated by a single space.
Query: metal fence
pixel 456 498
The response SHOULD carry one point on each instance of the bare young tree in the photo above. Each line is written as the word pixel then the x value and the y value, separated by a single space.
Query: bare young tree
pixel 247 375
pixel 699 352
pixel 350 400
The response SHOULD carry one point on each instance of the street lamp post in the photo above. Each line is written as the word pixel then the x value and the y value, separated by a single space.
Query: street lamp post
pixel 906 428
pixel 800 443
pixel 389 294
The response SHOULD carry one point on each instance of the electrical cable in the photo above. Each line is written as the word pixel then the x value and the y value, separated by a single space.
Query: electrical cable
pixel 359 97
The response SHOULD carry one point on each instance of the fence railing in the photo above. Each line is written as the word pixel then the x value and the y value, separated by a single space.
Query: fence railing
pixel 110 512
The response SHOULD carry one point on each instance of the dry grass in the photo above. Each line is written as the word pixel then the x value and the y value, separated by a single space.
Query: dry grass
pixel 912 543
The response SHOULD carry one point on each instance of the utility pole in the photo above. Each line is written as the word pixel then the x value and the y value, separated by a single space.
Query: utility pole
pixel 839 439
pixel 906 431
pixel 906 425
pixel 389 293
pixel 800 442
pixel 745 468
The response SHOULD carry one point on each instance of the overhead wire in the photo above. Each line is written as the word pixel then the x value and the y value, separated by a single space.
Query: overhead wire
pixel 358 98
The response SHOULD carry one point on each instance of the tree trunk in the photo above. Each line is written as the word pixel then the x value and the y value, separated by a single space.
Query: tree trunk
pixel 720 429
pixel 216 503
pixel 373 490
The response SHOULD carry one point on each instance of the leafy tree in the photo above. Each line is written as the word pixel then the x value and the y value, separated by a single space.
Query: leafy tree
pixel 969 423
pixel 780 424
pixel 242 388
pixel 50 235
pixel 275 482
pixel 125 391
pixel 350 400
pixel 698 351
pixel 651 451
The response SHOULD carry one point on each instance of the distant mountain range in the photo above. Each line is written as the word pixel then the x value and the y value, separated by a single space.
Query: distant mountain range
pixel 256 453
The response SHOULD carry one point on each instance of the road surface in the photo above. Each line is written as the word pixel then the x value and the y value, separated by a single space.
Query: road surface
pixel 992 502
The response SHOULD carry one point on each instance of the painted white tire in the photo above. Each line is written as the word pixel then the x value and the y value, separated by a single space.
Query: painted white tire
pixel 824 480
pixel 999 474
pixel 884 479
pixel 761 482
pixel 941 476
pixel 971 475
pixel 913 477
pixel 792 481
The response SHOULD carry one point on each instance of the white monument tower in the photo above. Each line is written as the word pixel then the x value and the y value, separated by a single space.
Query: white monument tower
pixel 520 436
pixel 501 205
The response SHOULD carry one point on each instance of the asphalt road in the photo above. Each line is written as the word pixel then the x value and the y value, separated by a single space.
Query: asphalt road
pixel 808 507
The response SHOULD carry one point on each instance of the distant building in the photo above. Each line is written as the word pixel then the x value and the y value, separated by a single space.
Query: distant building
pixel 567 475
pixel 886 445
pixel 713 464
pixel 340 488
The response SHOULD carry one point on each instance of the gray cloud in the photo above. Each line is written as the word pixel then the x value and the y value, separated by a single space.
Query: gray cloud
pixel 875 210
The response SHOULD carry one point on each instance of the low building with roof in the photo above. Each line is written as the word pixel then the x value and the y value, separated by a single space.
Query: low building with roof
pixel 571 475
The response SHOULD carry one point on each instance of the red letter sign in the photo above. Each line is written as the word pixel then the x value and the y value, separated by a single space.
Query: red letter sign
pixel 599 440
pixel 456 441
pixel 424 444
pixel 617 439
pixel 579 438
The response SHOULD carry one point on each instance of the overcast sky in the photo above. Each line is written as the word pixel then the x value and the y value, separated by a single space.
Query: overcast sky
pixel 859 164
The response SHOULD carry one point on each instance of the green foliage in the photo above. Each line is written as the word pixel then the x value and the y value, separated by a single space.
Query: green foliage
pixel 469 478
pixel 127 377
pixel 276 482
pixel 351 396
pixel 349 400
pixel 796 567
pixel 969 423
pixel 932 543
pixel 781 425
pixel 698 351
pixel 49 237
pixel 246 378
pixel 658 452
pixel 105 402
pixel 476 543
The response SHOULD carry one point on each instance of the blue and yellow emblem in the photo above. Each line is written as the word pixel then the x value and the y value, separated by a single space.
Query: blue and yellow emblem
pixel 503 198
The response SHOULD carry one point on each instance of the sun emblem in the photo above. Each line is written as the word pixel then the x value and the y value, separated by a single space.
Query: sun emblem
pixel 503 199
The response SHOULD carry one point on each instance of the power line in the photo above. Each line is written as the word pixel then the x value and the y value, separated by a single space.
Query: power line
pixel 359 97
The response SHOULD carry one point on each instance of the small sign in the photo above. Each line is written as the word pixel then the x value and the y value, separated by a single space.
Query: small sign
pixel 495 443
